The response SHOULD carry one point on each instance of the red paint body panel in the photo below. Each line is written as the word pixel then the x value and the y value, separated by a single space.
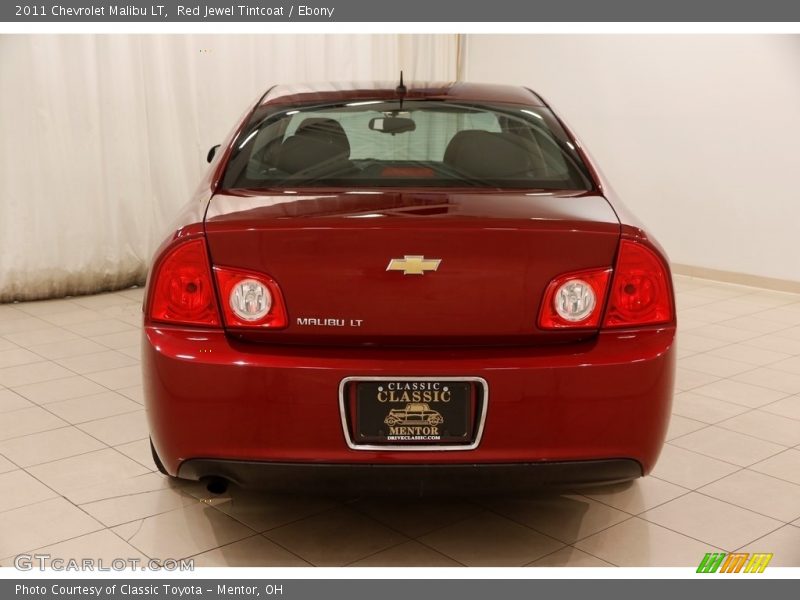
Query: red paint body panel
pixel 210 396
pixel 273 396
pixel 331 261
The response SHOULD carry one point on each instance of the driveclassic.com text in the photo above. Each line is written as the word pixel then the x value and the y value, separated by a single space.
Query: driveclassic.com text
pixel 127 589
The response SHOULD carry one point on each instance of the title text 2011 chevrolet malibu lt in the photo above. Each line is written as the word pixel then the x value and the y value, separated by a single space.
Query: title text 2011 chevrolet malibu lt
pixel 425 286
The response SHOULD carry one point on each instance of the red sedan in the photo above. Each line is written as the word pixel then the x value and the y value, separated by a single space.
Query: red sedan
pixel 425 286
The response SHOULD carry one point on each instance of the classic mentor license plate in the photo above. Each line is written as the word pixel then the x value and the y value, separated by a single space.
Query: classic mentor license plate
pixel 414 412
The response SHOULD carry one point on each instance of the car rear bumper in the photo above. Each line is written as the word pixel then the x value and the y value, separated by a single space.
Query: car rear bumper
pixel 213 398
pixel 410 479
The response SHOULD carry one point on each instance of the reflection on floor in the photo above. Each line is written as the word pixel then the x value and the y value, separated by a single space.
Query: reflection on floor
pixel 77 479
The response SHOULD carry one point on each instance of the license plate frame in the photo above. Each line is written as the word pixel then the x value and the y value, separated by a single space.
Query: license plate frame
pixel 476 409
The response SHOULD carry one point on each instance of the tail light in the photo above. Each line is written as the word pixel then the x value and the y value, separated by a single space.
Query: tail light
pixel 640 291
pixel 574 300
pixel 183 292
pixel 639 294
pixel 250 299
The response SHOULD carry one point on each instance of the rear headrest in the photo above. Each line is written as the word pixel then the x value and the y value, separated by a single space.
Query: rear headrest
pixel 487 154
pixel 329 131
pixel 315 141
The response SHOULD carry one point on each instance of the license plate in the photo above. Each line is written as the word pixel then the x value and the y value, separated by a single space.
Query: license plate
pixel 408 412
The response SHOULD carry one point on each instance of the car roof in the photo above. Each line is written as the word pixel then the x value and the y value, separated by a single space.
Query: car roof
pixel 304 93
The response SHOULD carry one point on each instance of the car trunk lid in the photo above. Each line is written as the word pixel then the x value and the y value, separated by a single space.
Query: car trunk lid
pixel 399 267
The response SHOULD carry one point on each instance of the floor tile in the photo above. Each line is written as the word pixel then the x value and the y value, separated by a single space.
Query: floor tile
pixel 135 393
pixel 786 407
pixel 790 365
pixel 58 350
pixel 714 365
pixel 408 554
pixel 32 373
pixel 689 469
pixel 636 496
pixel 724 333
pixel 698 343
pixel 46 307
pixel 570 557
pixel 783 315
pixel 759 493
pixel 679 426
pixel 255 551
pixel 135 293
pixel 439 512
pixel 777 343
pixel 792 333
pixel 773 379
pixel 42 524
pixel 134 480
pixel 21 489
pixel 19 325
pixel 637 543
pixel 116 341
pixel 47 446
pixel 489 540
pixel 10 401
pixel 7 345
pixel 132 351
pixel 119 429
pixel 703 408
pixel 100 301
pixel 71 317
pixel 6 465
pixel 103 327
pixel 123 509
pixel 262 511
pixel 17 356
pixel 729 446
pixel 738 392
pixel 566 518
pixel 186 531
pixel 785 465
pixel 115 379
pixel 26 421
pixel 59 389
pixel 94 407
pixel 39 337
pixel 72 476
pixel 102 545
pixel 98 361
pixel 784 544
pixel 138 450
pixel 718 523
pixel 766 426
pixel 335 538
pixel 751 355
pixel 686 379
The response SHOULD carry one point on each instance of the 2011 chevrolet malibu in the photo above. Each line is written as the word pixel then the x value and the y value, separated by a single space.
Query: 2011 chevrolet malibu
pixel 407 286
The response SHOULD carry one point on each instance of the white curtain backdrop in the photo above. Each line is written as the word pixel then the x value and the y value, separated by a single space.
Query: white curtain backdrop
pixel 104 137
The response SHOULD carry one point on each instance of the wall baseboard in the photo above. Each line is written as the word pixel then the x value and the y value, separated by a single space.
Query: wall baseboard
pixel 769 283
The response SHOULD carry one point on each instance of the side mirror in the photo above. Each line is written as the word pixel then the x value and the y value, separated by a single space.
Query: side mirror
pixel 211 153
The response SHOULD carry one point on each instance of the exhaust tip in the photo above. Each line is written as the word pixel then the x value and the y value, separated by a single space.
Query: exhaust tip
pixel 217 485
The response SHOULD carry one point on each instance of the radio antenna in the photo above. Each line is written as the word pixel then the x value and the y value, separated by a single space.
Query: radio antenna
pixel 401 90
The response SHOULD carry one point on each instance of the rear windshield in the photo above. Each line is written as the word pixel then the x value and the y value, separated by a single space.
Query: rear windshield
pixel 419 144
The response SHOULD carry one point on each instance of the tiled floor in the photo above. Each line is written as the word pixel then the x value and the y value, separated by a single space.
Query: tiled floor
pixel 77 479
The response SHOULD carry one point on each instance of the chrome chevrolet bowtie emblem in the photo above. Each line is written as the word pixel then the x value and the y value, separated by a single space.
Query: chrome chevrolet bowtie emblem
pixel 413 265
